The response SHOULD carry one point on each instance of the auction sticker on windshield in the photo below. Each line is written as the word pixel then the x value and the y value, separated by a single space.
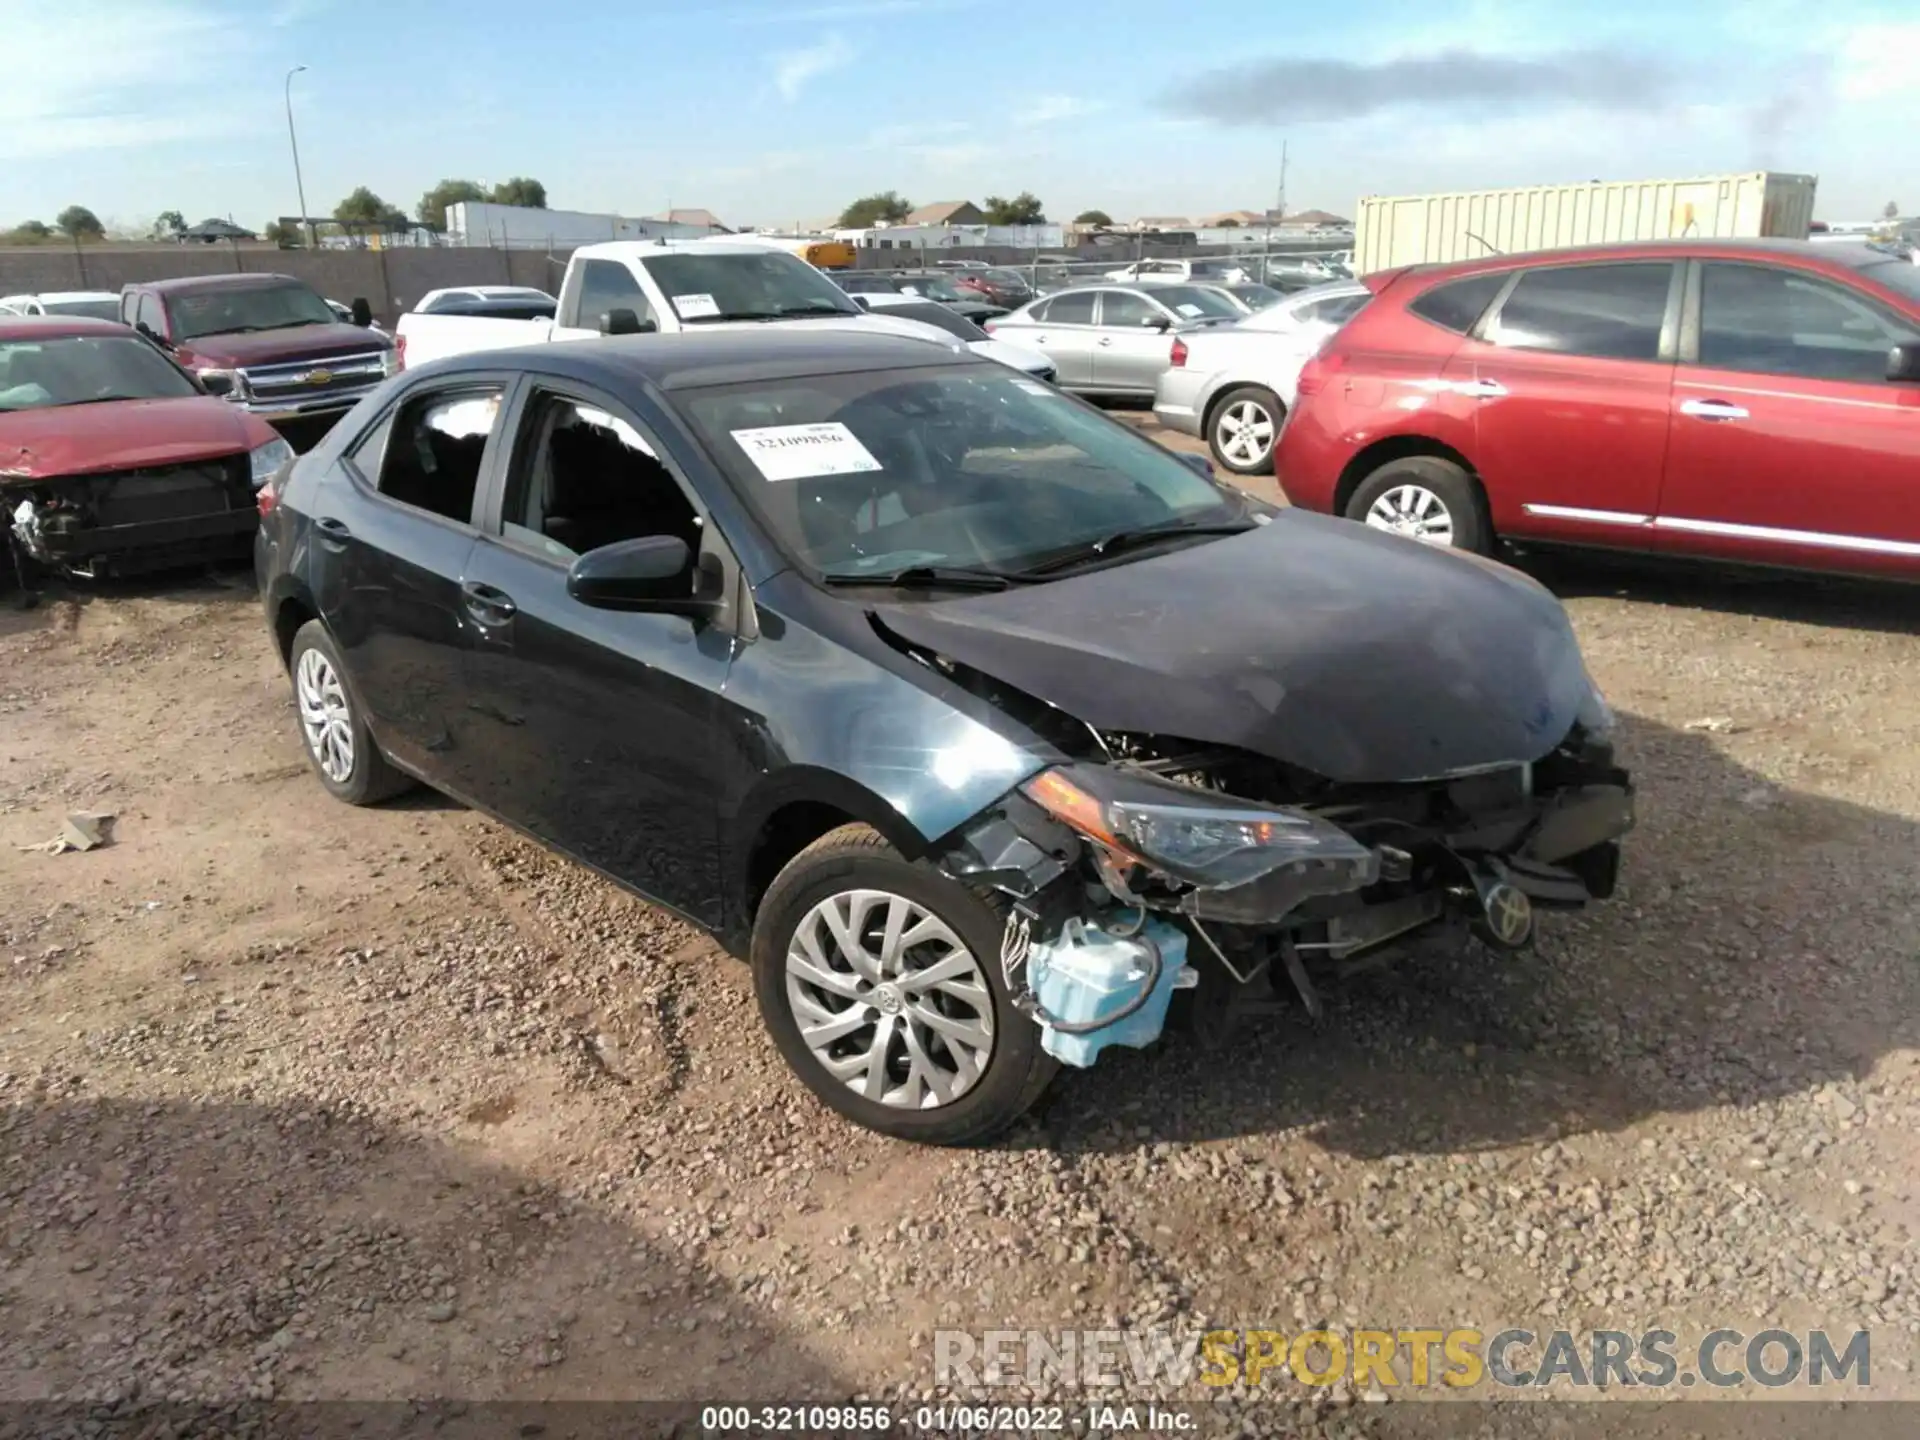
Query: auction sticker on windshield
pixel 805 452
pixel 1189 309
pixel 695 307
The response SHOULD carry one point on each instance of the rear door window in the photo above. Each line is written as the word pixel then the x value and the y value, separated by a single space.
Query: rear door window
pixel 1074 309
pixel 1608 312
pixel 429 454
pixel 1459 304
pixel 1771 321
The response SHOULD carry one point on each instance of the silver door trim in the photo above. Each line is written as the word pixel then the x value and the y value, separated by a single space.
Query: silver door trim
pixel 1592 517
pixel 1867 543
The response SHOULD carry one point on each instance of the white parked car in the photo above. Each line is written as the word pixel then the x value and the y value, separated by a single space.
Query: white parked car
pixel 460 295
pixel 1235 383
pixel 1213 272
pixel 93 304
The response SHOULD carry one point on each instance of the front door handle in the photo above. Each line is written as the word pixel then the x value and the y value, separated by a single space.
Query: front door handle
pixel 1483 389
pixel 488 605
pixel 1713 410
pixel 1106 339
pixel 333 531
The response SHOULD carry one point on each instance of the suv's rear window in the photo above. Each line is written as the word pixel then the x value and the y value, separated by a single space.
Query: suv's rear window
pixel 1459 304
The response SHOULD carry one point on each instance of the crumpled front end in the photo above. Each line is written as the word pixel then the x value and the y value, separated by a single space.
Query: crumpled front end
pixel 1265 871
pixel 121 522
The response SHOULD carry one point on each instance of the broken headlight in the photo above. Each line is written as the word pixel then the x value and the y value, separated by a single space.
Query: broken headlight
pixel 1205 839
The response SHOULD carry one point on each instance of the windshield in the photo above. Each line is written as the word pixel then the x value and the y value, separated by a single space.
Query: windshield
pixel 82 369
pixel 1205 303
pixel 1006 277
pixel 768 285
pixel 962 466
pixel 1260 297
pixel 936 287
pixel 229 310
pixel 92 309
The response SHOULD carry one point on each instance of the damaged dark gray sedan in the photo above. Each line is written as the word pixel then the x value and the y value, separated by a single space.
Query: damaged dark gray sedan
pixel 982 726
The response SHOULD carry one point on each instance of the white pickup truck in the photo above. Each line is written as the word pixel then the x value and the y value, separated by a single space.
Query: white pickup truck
pixel 629 287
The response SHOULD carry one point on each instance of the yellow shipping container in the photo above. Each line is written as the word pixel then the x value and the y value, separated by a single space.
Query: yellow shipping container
pixel 1395 230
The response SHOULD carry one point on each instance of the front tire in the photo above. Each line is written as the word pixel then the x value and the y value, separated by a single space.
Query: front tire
pixel 339 746
pixel 1242 427
pixel 879 980
pixel 1424 498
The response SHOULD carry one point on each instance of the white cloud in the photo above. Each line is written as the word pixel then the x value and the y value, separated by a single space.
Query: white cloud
pixel 1880 60
pixel 1051 109
pixel 793 70
pixel 93 83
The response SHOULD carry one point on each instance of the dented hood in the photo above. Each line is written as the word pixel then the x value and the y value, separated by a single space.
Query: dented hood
pixel 123 435
pixel 1354 654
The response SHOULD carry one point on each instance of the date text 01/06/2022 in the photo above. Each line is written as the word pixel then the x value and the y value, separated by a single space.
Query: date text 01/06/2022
pixel 938 1419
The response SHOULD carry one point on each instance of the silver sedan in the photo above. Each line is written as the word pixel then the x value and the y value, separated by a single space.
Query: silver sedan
pixel 1114 340
pixel 1236 384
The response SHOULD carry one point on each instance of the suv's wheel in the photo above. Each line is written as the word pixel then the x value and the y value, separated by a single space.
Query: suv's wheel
pixel 1242 428
pixel 880 982
pixel 1424 498
pixel 338 744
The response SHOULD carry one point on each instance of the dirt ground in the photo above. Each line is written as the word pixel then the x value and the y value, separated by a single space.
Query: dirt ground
pixel 304 1101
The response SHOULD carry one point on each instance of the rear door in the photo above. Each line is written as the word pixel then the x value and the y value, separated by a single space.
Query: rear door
pixel 1063 329
pixel 1790 446
pixel 1130 352
pixel 392 525
pixel 1570 374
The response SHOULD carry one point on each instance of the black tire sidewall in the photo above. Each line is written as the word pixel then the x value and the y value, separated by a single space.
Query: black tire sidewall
pixel 1000 1096
pixel 370 773
pixel 1455 488
pixel 1269 402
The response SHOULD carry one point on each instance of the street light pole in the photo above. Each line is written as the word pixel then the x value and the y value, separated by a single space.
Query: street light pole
pixel 299 185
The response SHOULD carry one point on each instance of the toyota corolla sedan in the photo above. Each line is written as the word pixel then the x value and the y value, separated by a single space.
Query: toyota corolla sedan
pixel 980 726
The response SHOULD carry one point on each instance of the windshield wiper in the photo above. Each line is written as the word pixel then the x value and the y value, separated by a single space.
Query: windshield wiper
pixel 816 307
pixel 1107 546
pixel 931 577
pixel 94 400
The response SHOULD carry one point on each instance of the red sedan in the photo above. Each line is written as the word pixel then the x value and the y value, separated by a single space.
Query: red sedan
pixel 1755 401
pixel 114 459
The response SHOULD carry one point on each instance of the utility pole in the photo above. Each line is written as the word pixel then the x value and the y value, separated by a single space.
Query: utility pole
pixel 293 140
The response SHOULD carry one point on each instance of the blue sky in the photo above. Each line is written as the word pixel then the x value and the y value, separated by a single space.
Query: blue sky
pixel 770 113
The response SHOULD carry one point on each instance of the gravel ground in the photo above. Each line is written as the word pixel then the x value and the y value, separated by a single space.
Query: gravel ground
pixel 300 1101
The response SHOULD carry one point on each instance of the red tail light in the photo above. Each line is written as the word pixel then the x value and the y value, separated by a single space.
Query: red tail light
pixel 266 497
pixel 400 351
pixel 1318 370
pixel 1177 357
pixel 987 325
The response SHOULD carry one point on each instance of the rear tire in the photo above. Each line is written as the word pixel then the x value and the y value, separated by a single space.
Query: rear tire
pixel 1425 498
pixel 881 1046
pixel 1242 426
pixel 338 744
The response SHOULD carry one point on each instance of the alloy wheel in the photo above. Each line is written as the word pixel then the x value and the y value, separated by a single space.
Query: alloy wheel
pixel 325 716
pixel 1413 511
pixel 1244 432
pixel 889 1000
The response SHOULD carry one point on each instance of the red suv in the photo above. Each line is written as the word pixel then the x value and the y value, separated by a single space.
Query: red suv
pixel 1755 401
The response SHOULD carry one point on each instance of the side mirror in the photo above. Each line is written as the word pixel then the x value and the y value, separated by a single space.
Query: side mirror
pixel 153 335
pixel 653 573
pixel 1199 464
pixel 863 302
pixel 1156 322
pixel 214 382
pixel 1903 362
pixel 362 312
pixel 622 321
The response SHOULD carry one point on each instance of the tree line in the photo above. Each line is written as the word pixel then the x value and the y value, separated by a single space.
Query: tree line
pixel 888 207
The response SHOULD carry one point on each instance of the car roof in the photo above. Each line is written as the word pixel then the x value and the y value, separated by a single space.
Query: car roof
pixel 187 284
pixel 1685 248
pixel 650 249
pixel 57 296
pixel 695 359
pixel 54 327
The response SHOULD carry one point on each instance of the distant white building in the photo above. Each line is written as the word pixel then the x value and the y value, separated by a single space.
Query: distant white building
pixel 519 227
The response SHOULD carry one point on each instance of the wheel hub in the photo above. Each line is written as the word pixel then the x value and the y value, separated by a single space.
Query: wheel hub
pixel 886 999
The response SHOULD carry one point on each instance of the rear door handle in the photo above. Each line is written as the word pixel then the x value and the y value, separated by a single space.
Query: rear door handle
pixel 488 605
pixel 1713 410
pixel 333 531
pixel 1483 389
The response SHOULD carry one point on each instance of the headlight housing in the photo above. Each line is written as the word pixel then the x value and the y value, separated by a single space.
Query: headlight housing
pixel 1208 840
pixel 269 458
pixel 230 384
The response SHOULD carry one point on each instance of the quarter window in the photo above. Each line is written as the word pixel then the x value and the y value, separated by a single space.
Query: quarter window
pixel 1610 312
pixel 1459 304
pixel 1778 322
pixel 428 455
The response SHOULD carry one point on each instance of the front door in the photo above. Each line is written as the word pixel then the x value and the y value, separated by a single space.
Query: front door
pixel 1790 446
pixel 1570 377
pixel 592 291
pixel 1134 346
pixel 392 529
pixel 602 726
